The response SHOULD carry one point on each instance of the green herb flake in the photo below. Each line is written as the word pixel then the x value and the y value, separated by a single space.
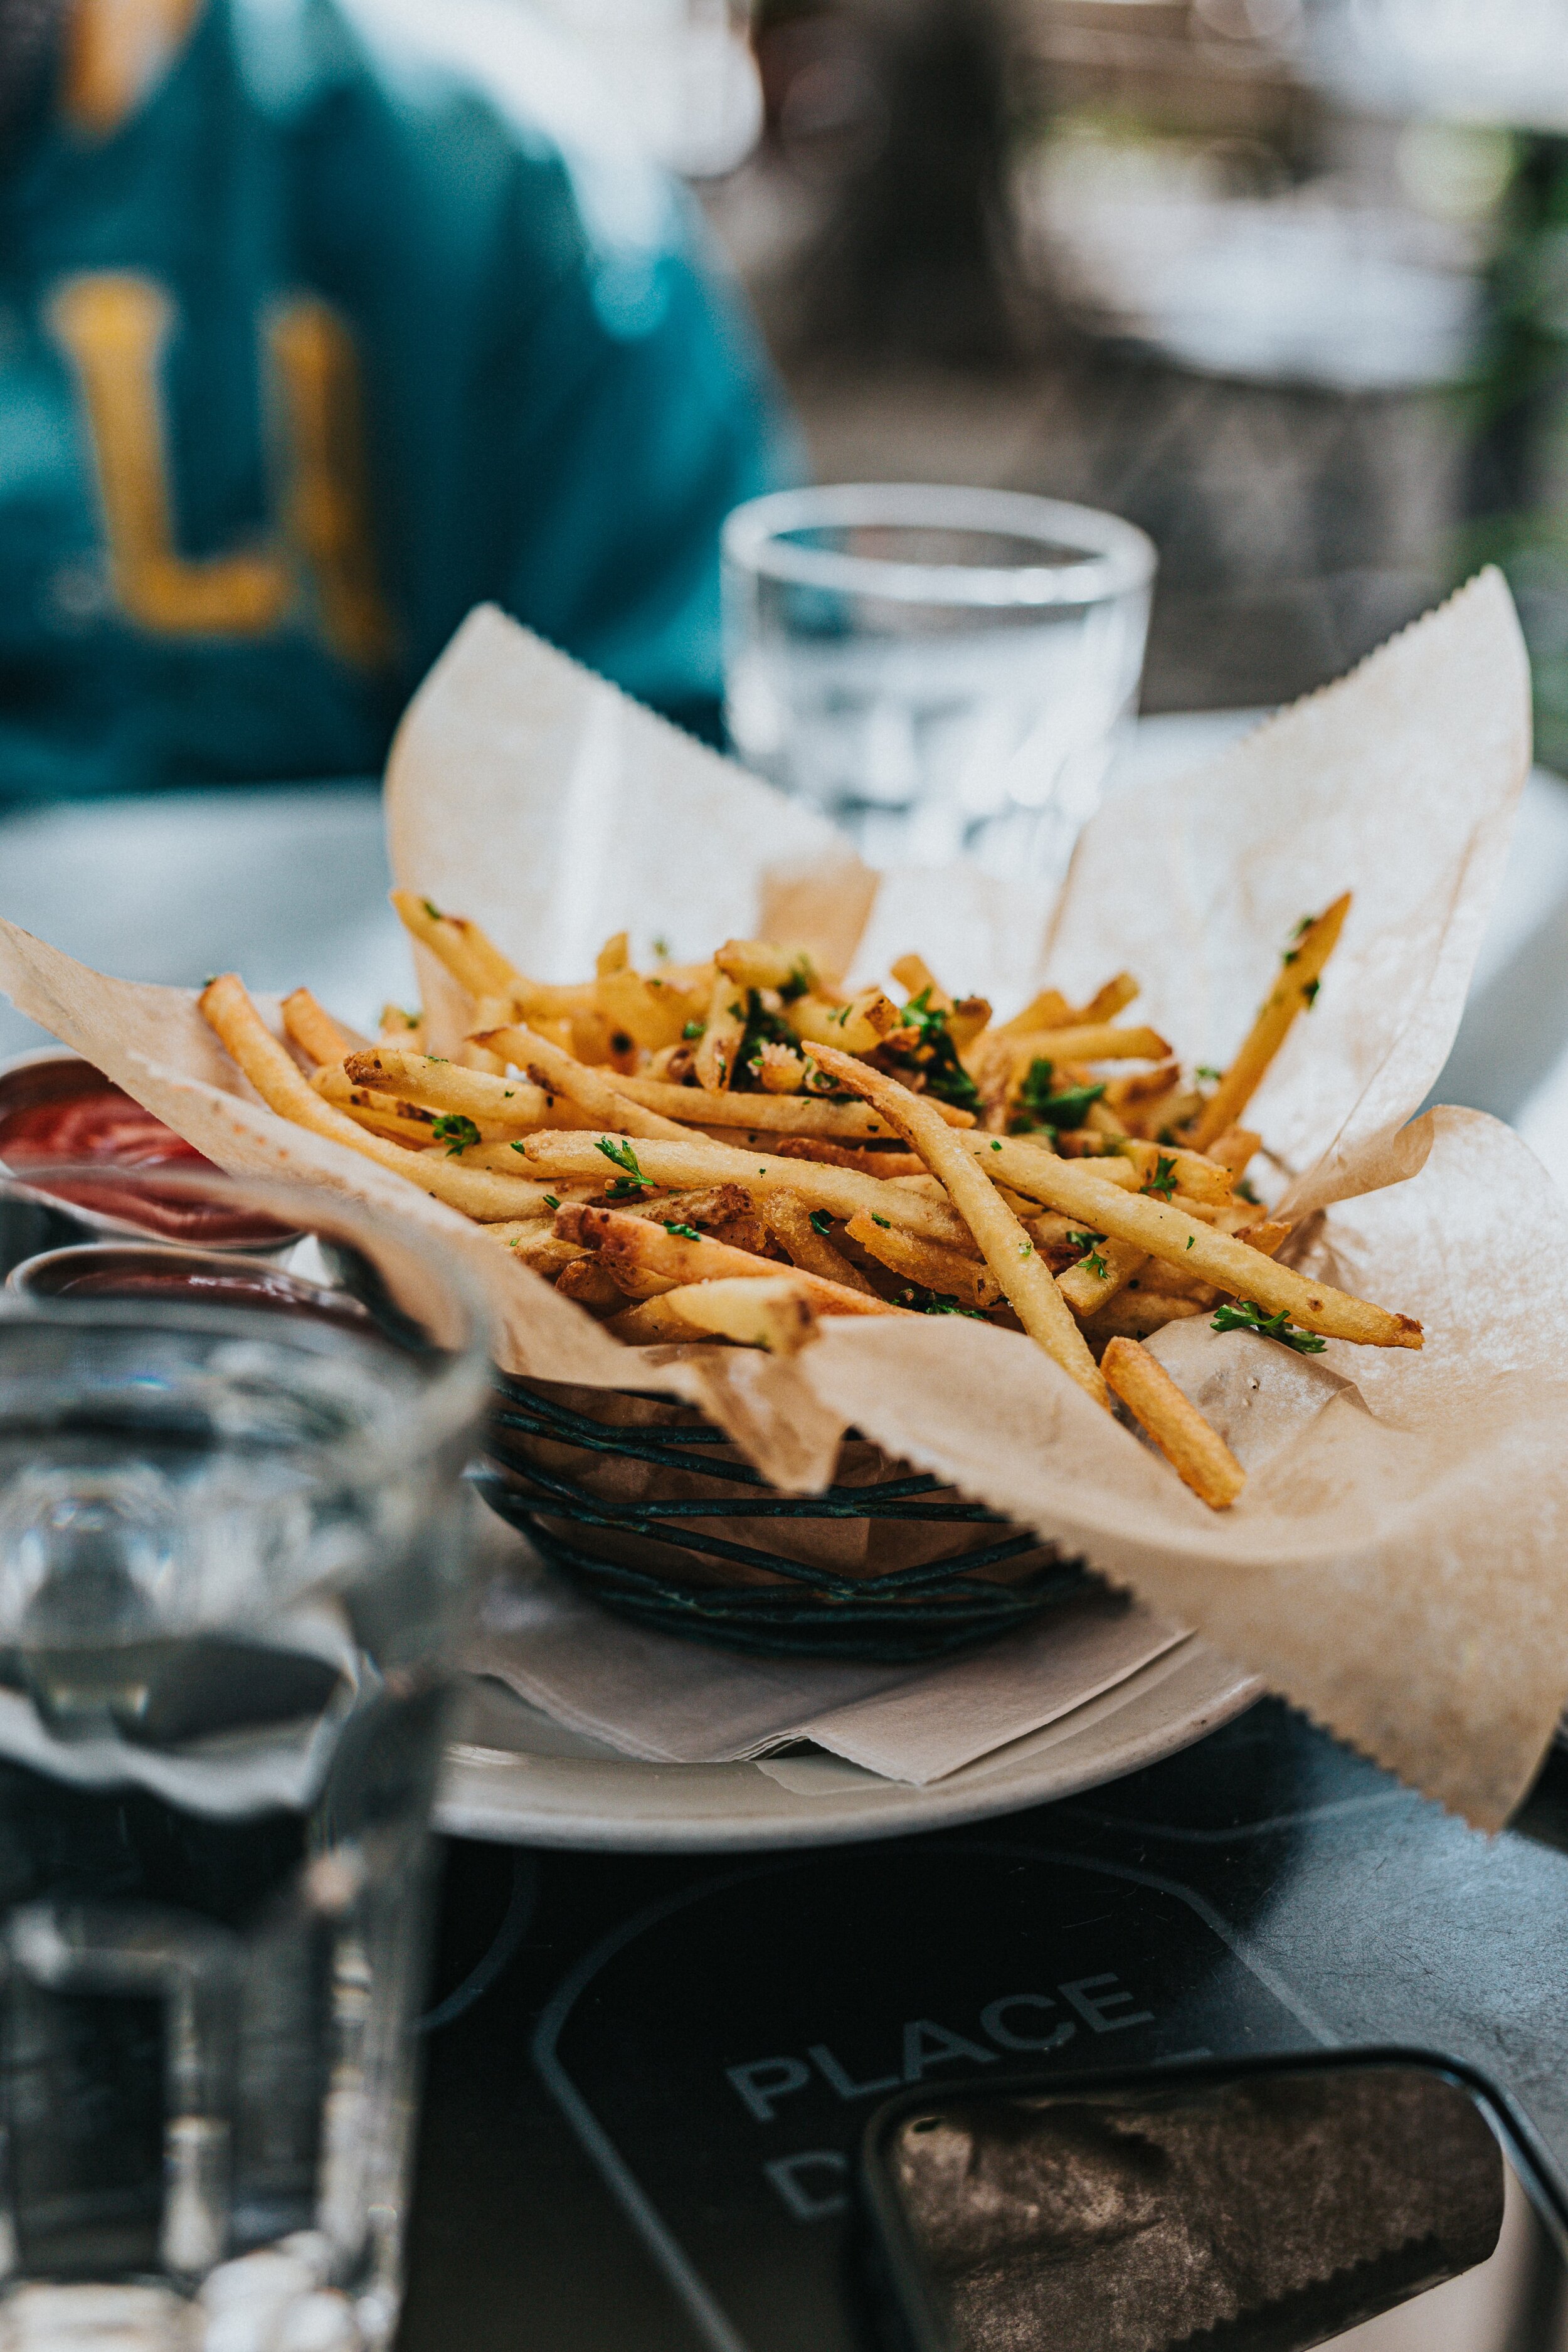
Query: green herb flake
pixel 686 1233
pixel 1208 1070
pixel 798 983
pixel 938 1302
pixel 1310 994
pixel 1038 1106
pixel 1090 1244
pixel 693 1029
pixel 997 1147
pixel 433 910
pixel 1164 1179
pixel 1026 1249
pixel 1248 1315
pixel 622 1188
pixel 1244 1190
pixel 551 1201
pixel 876 1220
pixel 457 1131
pixel 1190 1239
pixel 661 950
pixel 821 1222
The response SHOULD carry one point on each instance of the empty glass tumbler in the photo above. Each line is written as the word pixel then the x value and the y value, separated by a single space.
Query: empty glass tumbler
pixel 944 672
pixel 232 1542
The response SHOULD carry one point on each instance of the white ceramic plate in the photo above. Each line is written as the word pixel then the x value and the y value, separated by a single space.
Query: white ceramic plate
pixel 515 1777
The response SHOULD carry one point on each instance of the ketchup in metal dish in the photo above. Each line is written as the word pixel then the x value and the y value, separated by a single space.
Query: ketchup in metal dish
pixel 102 1124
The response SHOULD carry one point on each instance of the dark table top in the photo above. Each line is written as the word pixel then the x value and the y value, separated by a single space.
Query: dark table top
pixel 639 2134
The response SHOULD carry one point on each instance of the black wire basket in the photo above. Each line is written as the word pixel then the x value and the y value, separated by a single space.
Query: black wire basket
pixel 646 1505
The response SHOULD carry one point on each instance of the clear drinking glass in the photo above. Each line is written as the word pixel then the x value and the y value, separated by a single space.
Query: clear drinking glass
pixel 232 1540
pixel 944 672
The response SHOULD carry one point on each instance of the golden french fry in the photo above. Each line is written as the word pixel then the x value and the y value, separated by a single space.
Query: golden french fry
pixel 789 1220
pixel 794 1114
pixel 1096 1041
pixel 1235 1149
pixel 946 1271
pixel 672 1258
pixel 229 1011
pixel 1091 1284
pixel 1134 1313
pixel 651 1008
pixel 613 956
pixel 400 1028
pixel 312 1028
pixel 867 1157
pixel 757 964
pixel 774 1314
pixel 913 974
pixel 384 1113
pixel 475 962
pixel 718 1048
pixel 855 1028
pixel 1106 1002
pixel 1292 993
pixel 549 1069
pixel 498 1107
pixel 1167 1232
pixel 588 1284
pixel 1195 1451
pixel 1026 1280
pixel 840 1191
pixel 1016 1161
pixel 1049 1010
pixel 966 1023
pixel 780 1069
pixel 1161 1166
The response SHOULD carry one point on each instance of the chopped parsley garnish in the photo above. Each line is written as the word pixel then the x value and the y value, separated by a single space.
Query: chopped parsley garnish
pixel 1164 1179
pixel 876 1220
pixel 1310 994
pixel 798 983
pixel 1208 1070
pixel 935 1055
pixel 1038 1106
pixel 821 1222
pixel 997 1147
pixel 1190 1239
pixel 939 1302
pixel 762 1028
pixel 1026 1249
pixel 661 950
pixel 841 1015
pixel 456 1131
pixel 1244 1191
pixel 686 1233
pixel 433 911
pixel 1303 927
pixel 1250 1316
pixel 626 1187
pixel 551 1201
pixel 1090 1244
pixel 693 1029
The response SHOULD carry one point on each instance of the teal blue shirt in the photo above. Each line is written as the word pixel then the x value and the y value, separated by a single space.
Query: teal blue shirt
pixel 350 318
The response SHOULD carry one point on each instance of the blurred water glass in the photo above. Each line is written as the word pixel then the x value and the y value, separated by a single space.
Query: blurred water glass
pixel 944 672
pixel 232 1531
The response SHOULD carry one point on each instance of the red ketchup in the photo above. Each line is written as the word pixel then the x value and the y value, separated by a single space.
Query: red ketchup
pixel 100 1125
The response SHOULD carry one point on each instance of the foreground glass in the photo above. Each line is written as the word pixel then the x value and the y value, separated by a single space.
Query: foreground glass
pixel 231 1542
pixel 942 672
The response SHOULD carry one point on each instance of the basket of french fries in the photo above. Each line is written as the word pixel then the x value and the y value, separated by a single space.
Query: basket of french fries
pixel 727 1153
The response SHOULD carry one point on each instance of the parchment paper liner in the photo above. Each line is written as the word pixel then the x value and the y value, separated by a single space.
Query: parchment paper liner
pixel 1398 1564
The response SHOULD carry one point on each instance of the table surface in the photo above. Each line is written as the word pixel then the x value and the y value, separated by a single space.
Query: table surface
pixel 638 2128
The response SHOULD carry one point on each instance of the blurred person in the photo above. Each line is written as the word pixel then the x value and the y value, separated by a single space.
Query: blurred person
pixel 320 321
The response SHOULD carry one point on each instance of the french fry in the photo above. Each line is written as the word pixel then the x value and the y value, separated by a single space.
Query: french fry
pixel 549 1069
pixel 1016 1161
pixel 1087 1290
pixel 1135 1314
pixel 1235 1149
pixel 1292 993
pixel 1048 1010
pixel 857 1027
pixel 1106 1003
pixel 312 1028
pixel 651 1009
pixel 401 1028
pixel 758 963
pixel 843 1122
pixel 381 1112
pixel 967 1022
pixel 498 1107
pixel 670 1258
pixel 588 1284
pixel 1167 1232
pixel 475 962
pixel 1092 1041
pixel 839 1190
pixel 913 974
pixel 774 1314
pixel 788 1220
pixel 1195 1451
pixel 1025 1281
pixel 885 1165
pixel 946 1271
pixel 781 1070
pixel 718 1048
pixel 1199 1178
pixel 229 1011
pixel 613 956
